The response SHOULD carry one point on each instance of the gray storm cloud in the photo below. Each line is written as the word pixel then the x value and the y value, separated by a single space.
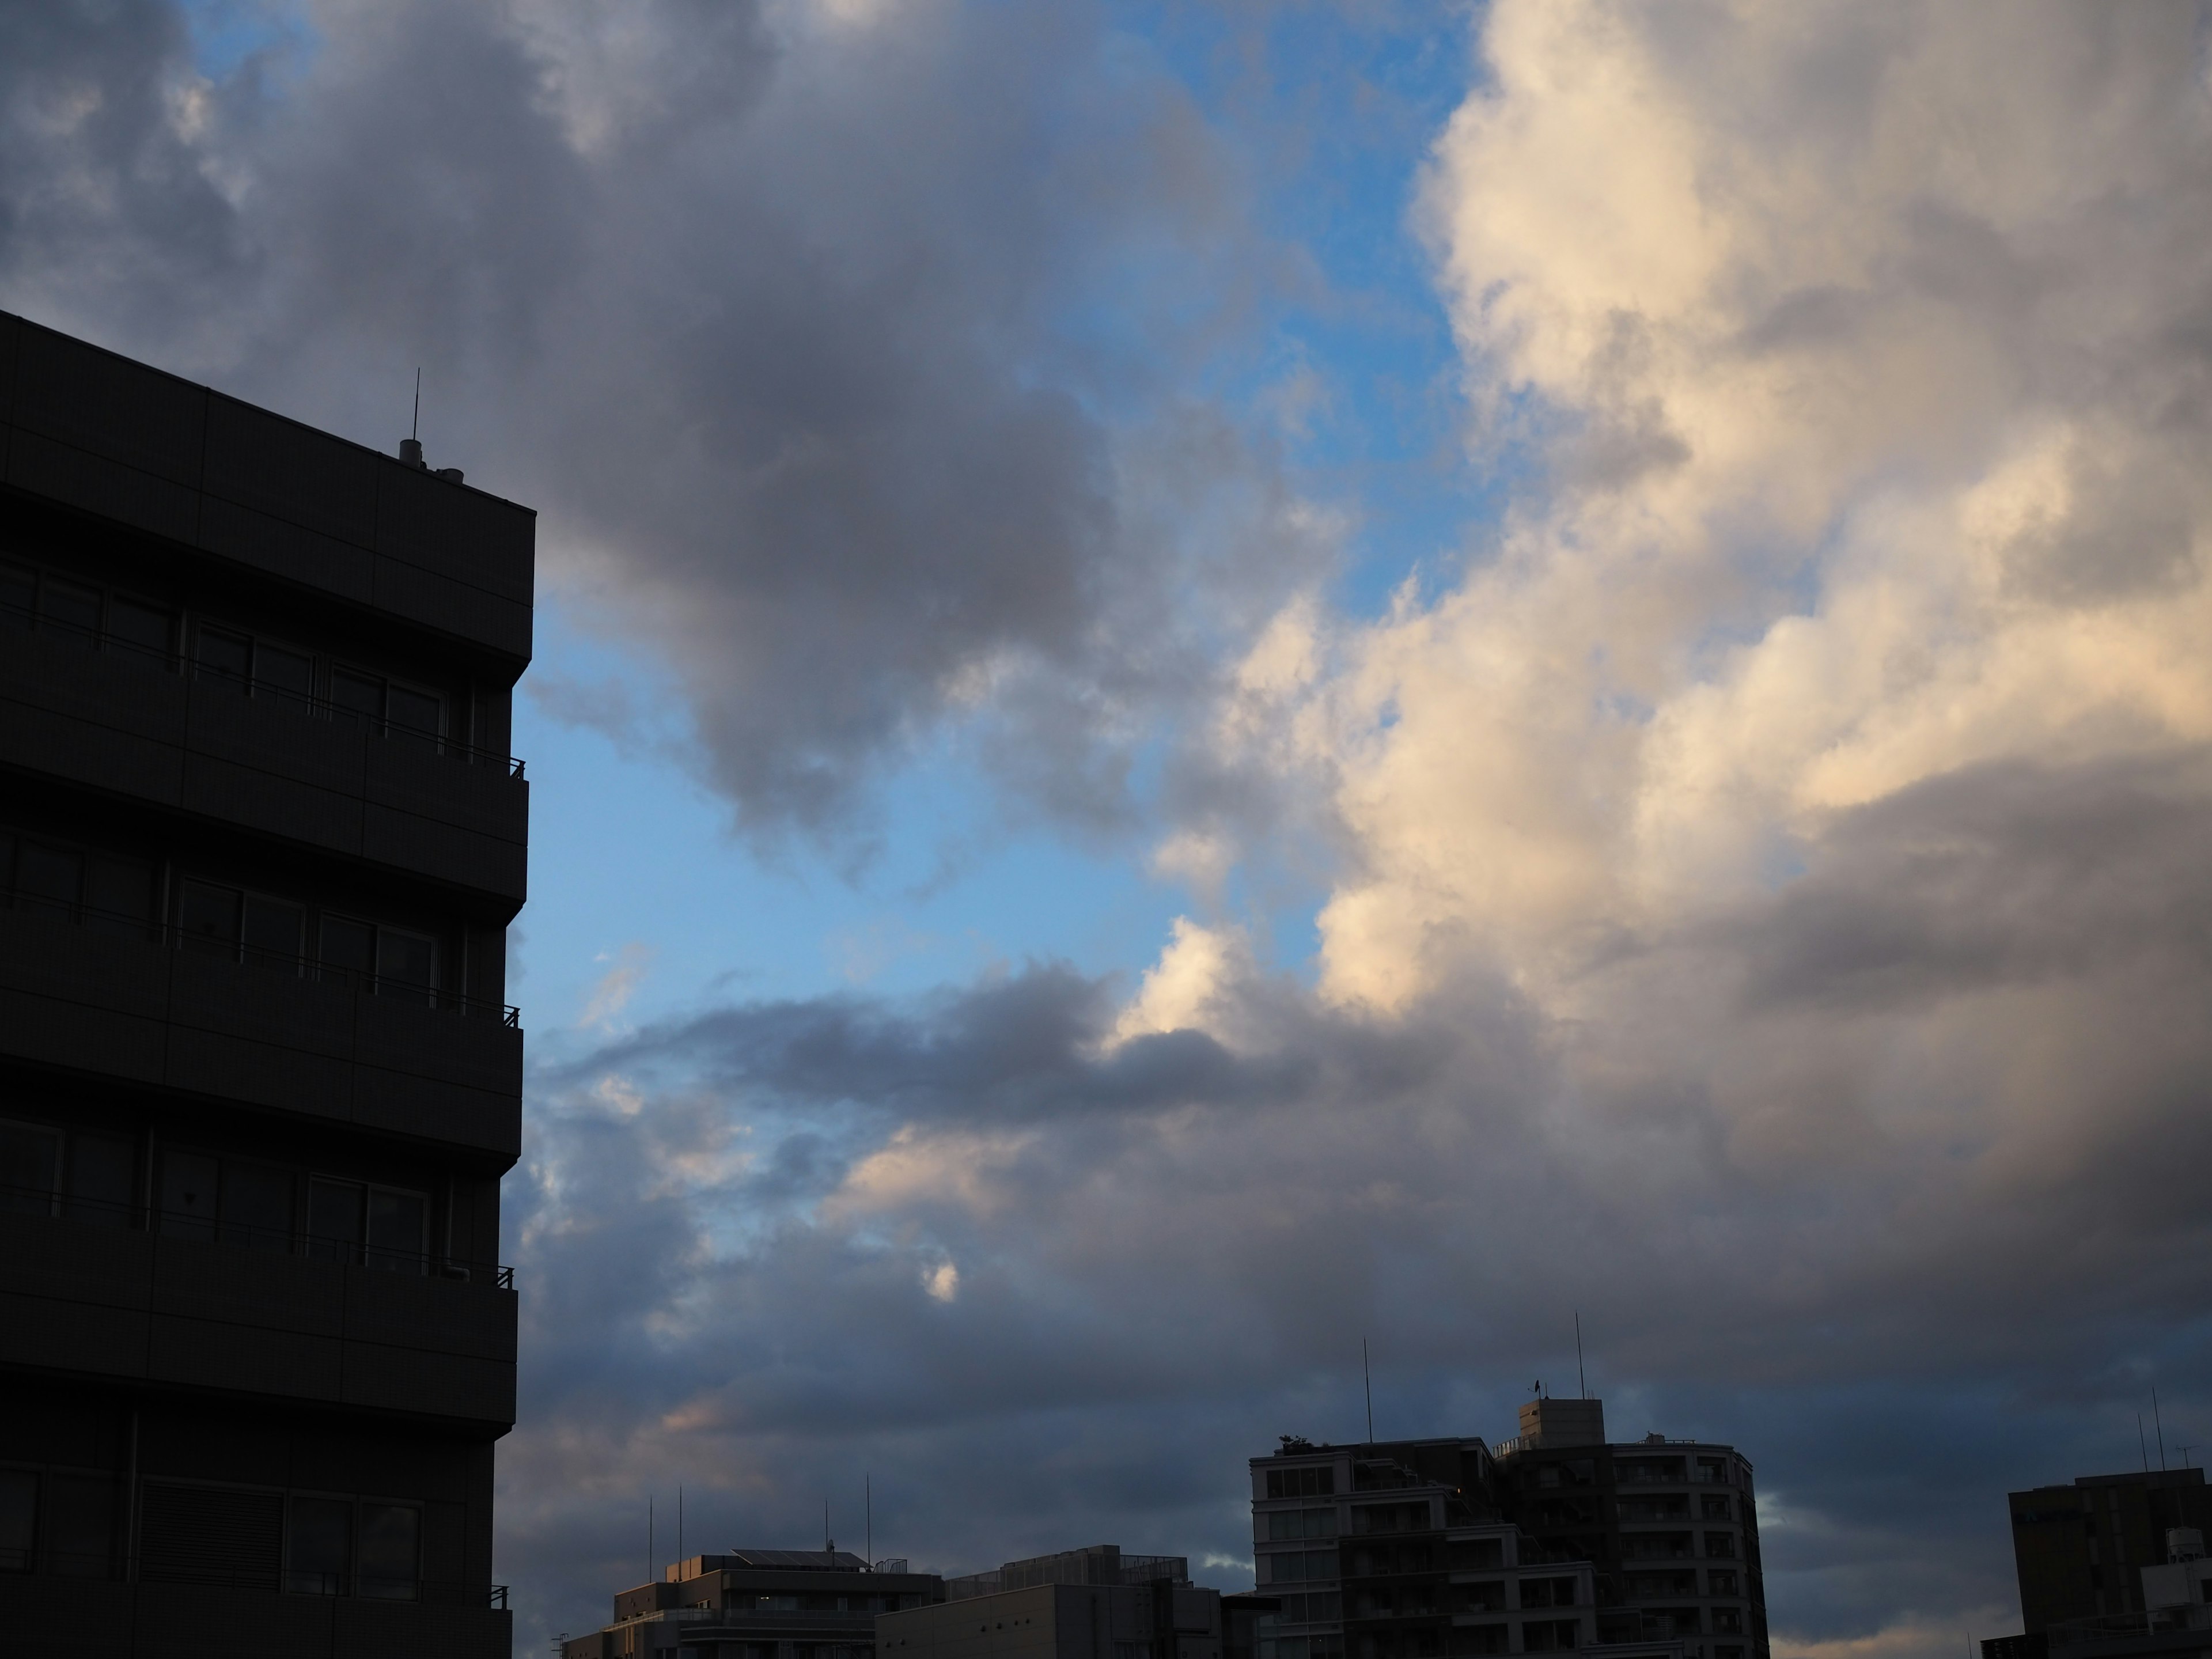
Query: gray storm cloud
pixel 825 337
pixel 1768 912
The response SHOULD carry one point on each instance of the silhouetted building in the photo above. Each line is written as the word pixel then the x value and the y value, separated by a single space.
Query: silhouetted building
pixel 2080 1549
pixel 1091 1603
pixel 758 1604
pixel 1398 1551
pixel 260 841
pixel 1553 1541
pixel 1670 1527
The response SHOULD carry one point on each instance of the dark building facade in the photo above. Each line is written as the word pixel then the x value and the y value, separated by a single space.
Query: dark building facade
pixel 1670 1527
pixel 1094 1602
pixel 758 1604
pixel 2080 1550
pixel 1553 1541
pixel 260 841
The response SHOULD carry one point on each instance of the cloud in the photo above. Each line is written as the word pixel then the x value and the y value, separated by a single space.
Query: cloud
pixel 831 341
pixel 613 990
pixel 1767 915
pixel 1765 910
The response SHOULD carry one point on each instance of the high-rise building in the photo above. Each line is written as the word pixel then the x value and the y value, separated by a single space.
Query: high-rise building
pixel 260 842
pixel 2080 1550
pixel 1555 1539
pixel 1670 1527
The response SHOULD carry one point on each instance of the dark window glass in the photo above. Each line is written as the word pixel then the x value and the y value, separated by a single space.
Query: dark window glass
pixel 406 964
pixel 285 675
pixel 30 1158
pixel 395 1230
pixel 119 894
pixel 208 917
pixel 256 1206
pixel 415 714
pixel 66 609
pixel 19 592
pixel 139 627
pixel 188 1195
pixel 390 1545
pixel 318 1545
pixel 273 930
pixel 334 1220
pixel 225 658
pixel 80 1541
pixel 348 952
pixel 358 697
pixel 19 1519
pixel 99 1171
pixel 48 878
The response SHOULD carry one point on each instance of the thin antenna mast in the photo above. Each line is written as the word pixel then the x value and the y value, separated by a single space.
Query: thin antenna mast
pixel 1580 1381
pixel 2142 1443
pixel 415 426
pixel 2157 1425
pixel 826 1544
pixel 1367 1375
pixel 868 1518
pixel 679 1520
pixel 649 1538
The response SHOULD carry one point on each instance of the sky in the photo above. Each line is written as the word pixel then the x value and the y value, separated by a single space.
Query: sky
pixel 1217 680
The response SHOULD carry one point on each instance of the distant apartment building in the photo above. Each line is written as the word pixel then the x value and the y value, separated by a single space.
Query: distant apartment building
pixel 260 842
pixel 758 1604
pixel 1553 1541
pixel 1670 1527
pixel 2112 1567
pixel 1091 1603
pixel 2080 1550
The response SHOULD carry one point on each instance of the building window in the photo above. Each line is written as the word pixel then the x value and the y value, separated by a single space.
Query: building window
pixel 318 1545
pixel 1302 1483
pixel 1285 1524
pixel 379 1227
pixel 1721 1546
pixel 1721 1582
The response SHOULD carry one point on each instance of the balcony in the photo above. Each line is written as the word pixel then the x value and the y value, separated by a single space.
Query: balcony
pixel 427 1065
pixel 107 1300
pixel 120 719
pixel 72 1613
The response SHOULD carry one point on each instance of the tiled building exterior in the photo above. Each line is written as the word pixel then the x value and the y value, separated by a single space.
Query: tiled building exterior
pixel 260 842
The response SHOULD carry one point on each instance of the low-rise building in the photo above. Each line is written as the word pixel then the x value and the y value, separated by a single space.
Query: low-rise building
pixel 1091 1603
pixel 758 1604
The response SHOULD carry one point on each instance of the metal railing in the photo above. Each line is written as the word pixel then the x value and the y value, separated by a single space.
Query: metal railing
pixel 312 705
pixel 291 964
pixel 119 1216
pixel 113 1566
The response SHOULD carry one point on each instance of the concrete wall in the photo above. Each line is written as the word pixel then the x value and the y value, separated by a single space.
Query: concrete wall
pixel 123 725
pixel 106 1302
pixel 128 1009
pixel 95 431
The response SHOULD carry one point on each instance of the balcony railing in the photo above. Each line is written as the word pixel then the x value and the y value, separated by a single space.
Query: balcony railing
pixel 135 1217
pixel 309 705
pixel 114 1567
pixel 291 964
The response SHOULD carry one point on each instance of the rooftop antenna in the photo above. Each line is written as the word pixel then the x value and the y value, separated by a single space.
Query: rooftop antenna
pixel 2186 1450
pixel 1580 1381
pixel 410 446
pixel 679 1520
pixel 2142 1443
pixel 1367 1375
pixel 828 1545
pixel 2159 1426
pixel 649 1538
pixel 868 1518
